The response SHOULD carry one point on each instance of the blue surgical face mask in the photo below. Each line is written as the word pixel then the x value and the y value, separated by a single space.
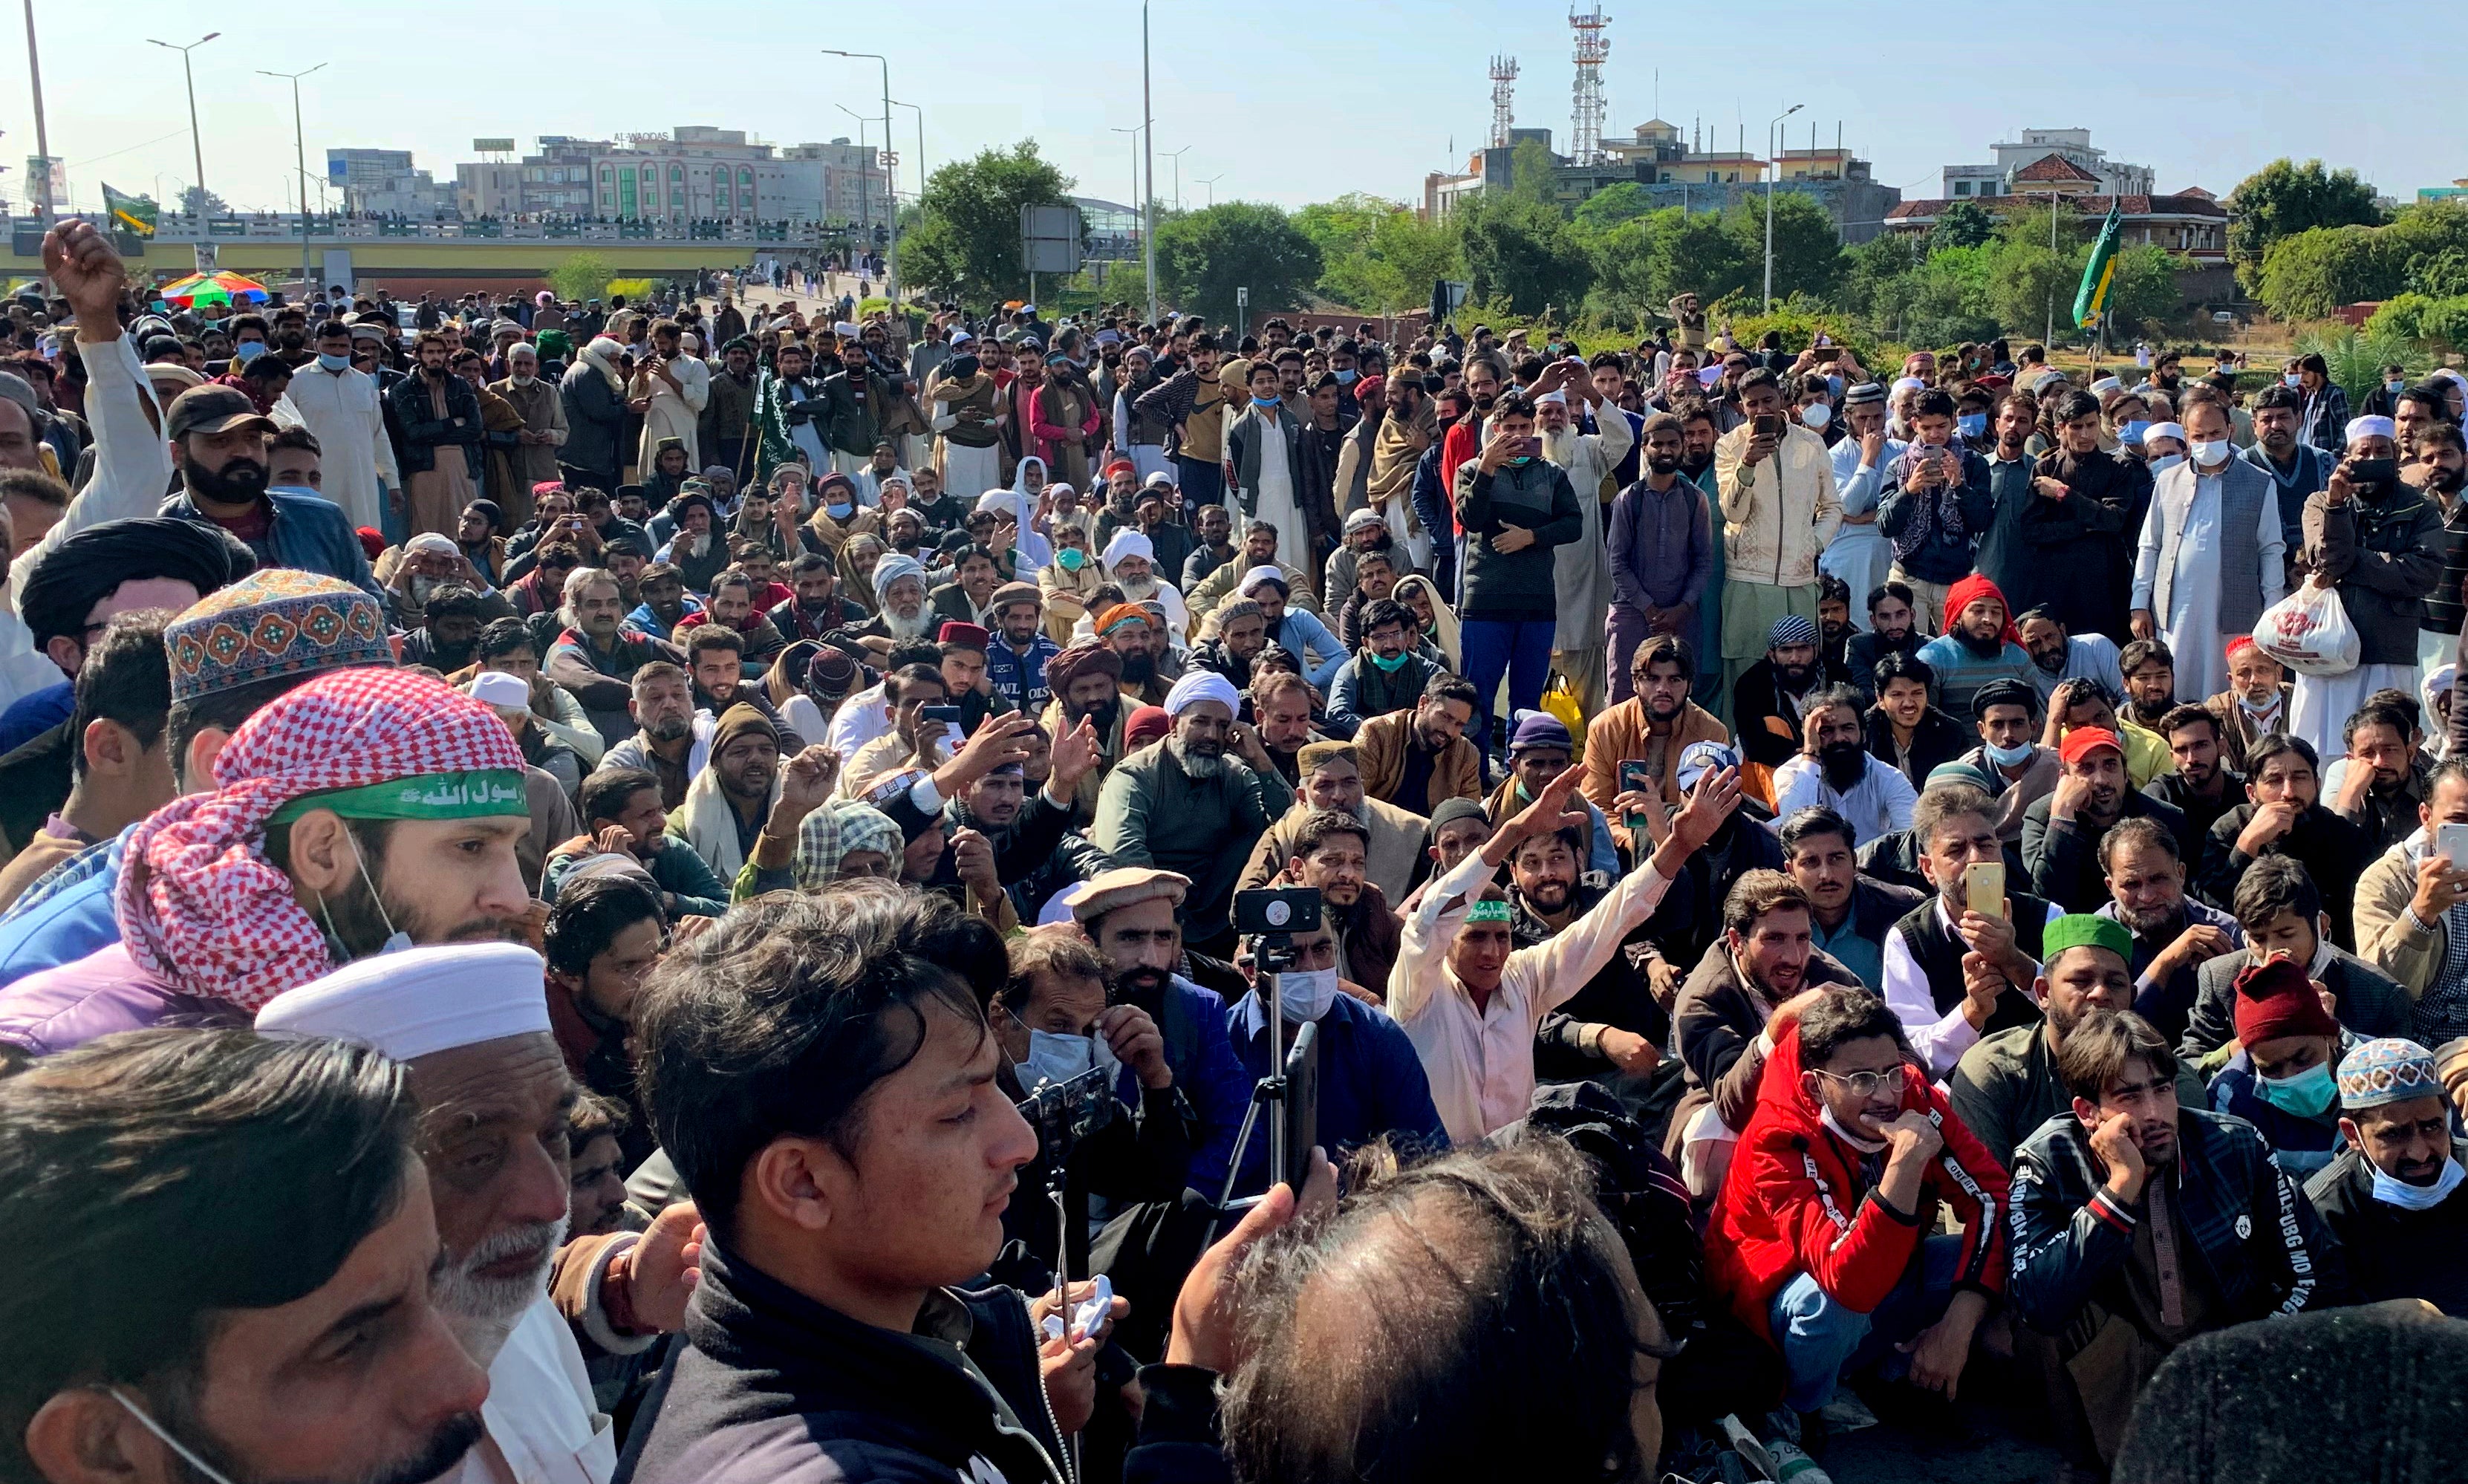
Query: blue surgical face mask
pixel 2392 1191
pixel 1834 385
pixel 2164 462
pixel 1054 1058
pixel 1971 424
pixel 2306 1094
pixel 247 350
pixel 2006 757
pixel 2396 386
pixel 2132 431
pixel 841 512
pixel 2293 378
pixel 335 363
pixel 1346 376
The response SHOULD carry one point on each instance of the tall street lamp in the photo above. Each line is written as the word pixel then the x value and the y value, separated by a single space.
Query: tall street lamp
pixel 1211 184
pixel 921 146
pixel 864 188
pixel 41 193
pixel 891 253
pixel 300 162
pixel 196 142
pixel 1773 168
pixel 1176 156
pixel 1148 208
pixel 1135 131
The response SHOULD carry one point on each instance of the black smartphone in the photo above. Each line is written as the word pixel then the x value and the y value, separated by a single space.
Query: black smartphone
pixel 1635 778
pixel 1534 448
pixel 1770 425
pixel 950 714
pixel 2373 473
pixel 1301 1107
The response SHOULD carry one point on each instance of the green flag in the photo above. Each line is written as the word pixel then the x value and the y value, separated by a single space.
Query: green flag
pixel 2091 301
pixel 132 213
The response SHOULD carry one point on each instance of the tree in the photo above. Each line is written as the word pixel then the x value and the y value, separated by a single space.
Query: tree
pixel 1530 173
pixel 1962 224
pixel 2309 275
pixel 1614 205
pixel 581 276
pixel 2282 199
pixel 1342 230
pixel 1410 255
pixel 1807 248
pixel 1699 255
pixel 1523 252
pixel 966 241
pixel 197 202
pixel 1203 256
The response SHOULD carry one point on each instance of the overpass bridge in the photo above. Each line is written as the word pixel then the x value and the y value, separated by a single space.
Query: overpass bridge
pixel 449 257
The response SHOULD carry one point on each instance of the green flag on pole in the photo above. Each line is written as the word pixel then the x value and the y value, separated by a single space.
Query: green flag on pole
pixel 2091 301
pixel 132 213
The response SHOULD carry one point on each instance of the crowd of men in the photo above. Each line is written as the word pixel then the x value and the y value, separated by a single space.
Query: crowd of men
pixel 616 830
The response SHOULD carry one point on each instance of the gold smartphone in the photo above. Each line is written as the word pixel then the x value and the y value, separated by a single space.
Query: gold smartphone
pixel 1984 887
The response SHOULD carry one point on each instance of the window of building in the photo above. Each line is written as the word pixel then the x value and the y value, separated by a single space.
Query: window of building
pixel 744 176
pixel 1962 188
pixel 676 173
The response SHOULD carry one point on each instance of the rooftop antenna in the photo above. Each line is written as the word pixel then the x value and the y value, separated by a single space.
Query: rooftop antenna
pixel 1585 116
pixel 1503 100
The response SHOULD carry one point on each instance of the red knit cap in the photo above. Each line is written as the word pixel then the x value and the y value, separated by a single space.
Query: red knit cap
pixel 2273 998
pixel 1969 590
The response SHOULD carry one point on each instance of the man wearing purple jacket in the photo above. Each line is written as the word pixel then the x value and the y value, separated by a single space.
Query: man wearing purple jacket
pixel 1662 544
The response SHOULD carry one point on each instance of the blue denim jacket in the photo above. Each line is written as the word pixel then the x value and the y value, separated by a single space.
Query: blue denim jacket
pixel 308 532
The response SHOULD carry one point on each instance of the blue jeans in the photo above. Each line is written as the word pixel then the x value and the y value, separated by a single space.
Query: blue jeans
pixel 1520 649
pixel 1202 481
pixel 1822 1340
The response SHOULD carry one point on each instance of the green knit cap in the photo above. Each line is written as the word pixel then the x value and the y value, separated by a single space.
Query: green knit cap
pixel 2082 930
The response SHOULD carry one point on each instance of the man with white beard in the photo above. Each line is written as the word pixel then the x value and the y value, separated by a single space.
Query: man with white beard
pixel 1582 566
pixel 470 1022
pixel 901 614
pixel 1130 559
pixel 1185 806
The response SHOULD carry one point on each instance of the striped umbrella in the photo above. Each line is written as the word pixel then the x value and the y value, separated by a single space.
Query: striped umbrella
pixel 216 288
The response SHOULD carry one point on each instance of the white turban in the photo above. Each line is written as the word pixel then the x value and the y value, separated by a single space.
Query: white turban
pixel 499 688
pixel 431 543
pixel 2106 384
pixel 1911 384
pixel 411 1003
pixel 845 330
pixel 1562 398
pixel 891 568
pixel 2371 427
pixel 2175 430
pixel 1201 685
pixel 1260 577
pixel 1128 542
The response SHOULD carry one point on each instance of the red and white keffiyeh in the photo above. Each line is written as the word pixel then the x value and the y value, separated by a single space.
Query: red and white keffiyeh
pixel 199 903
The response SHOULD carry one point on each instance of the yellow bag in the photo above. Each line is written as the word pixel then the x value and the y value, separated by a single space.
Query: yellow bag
pixel 1561 700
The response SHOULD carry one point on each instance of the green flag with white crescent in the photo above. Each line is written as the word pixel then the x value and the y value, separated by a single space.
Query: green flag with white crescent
pixel 2091 301
pixel 133 213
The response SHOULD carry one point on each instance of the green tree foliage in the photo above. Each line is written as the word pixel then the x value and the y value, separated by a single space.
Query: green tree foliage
pixel 1376 254
pixel 1640 262
pixel 966 238
pixel 1530 175
pixel 581 276
pixel 2309 275
pixel 1808 250
pixel 2283 199
pixel 1962 224
pixel 1522 252
pixel 1203 256
pixel 1608 207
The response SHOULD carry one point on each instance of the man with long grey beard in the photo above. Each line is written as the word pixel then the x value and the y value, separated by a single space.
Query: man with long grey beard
pixel 470 1022
pixel 1186 806
pixel 902 614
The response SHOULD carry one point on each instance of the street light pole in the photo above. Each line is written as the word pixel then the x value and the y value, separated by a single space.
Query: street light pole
pixel 1148 208
pixel 921 146
pixel 300 163
pixel 1176 157
pixel 1773 168
pixel 42 194
pixel 1211 184
pixel 864 217
pixel 1135 131
pixel 891 201
pixel 197 141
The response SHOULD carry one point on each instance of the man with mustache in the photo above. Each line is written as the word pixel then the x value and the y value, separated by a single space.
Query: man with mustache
pixel 218 439
pixel 2284 817
pixel 219 1366
pixel 368 809
pixel 2174 935
pixel 1770 699
pixel 2392 1198
pixel 1835 769
pixel 1661 553
pixel 1978 647
pixel 1186 806
pixel 471 1025
pixel 2062 832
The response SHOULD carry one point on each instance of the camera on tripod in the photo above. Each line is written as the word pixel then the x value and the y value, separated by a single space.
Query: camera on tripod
pixel 1277 911
pixel 1063 1113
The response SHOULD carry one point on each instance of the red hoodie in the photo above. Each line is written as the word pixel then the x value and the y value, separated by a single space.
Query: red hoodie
pixel 1782 1212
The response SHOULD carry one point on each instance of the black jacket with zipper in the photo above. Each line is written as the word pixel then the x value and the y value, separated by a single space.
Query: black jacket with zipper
pixel 773 1387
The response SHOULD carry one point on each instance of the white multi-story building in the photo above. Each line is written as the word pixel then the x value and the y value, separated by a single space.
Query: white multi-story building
pixel 384 182
pixel 2074 145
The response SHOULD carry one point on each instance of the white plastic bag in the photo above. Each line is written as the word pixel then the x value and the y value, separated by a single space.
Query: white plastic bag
pixel 2309 631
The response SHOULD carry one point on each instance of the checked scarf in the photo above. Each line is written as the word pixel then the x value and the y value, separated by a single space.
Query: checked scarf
pixel 200 906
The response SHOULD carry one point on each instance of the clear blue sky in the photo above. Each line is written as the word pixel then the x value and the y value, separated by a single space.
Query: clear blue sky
pixel 1289 102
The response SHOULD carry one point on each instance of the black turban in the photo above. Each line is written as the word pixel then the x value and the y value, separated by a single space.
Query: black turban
pixel 85 568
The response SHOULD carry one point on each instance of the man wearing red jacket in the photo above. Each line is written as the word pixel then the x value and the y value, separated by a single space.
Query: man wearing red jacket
pixel 1821 1236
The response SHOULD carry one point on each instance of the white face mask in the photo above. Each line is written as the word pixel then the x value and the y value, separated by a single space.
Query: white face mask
pixel 1306 993
pixel 1813 418
pixel 2392 1191
pixel 2210 452
pixel 1055 1058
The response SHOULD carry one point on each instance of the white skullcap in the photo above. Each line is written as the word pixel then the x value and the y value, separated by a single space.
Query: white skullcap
pixel 1261 577
pixel 2175 430
pixel 431 544
pixel 960 337
pixel 1562 398
pixel 497 688
pixel 1000 500
pixel 1199 685
pixel 2371 425
pixel 1911 384
pixel 845 330
pixel 2106 384
pixel 410 1003
pixel 1128 542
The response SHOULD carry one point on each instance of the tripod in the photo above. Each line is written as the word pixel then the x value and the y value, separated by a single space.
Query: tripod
pixel 1275 955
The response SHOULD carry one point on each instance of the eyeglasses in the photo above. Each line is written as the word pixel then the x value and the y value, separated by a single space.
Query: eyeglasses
pixel 1867 1084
